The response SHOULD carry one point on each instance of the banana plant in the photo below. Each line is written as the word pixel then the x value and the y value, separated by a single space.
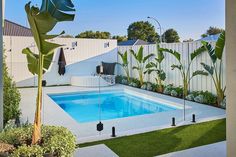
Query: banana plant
pixel 141 62
pixel 41 22
pixel 125 64
pixel 184 69
pixel 215 70
pixel 155 66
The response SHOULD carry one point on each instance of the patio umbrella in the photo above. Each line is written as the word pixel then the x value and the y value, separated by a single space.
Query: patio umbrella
pixel 62 63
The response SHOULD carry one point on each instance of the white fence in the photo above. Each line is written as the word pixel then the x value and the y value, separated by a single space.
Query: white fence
pixel 198 83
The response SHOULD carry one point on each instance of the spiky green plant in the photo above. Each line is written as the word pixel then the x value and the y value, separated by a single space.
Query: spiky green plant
pixel 184 69
pixel 41 22
pixel 155 66
pixel 125 64
pixel 215 70
pixel 141 62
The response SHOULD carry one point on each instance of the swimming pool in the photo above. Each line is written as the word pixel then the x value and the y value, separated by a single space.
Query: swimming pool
pixel 84 106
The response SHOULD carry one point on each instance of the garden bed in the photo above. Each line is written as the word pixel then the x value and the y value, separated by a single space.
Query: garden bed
pixel 55 142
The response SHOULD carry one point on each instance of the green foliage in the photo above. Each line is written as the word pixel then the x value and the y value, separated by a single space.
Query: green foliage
pixel 212 31
pixel 55 140
pixel 142 30
pixel 184 69
pixel 120 38
pixel 11 96
pixel 58 140
pixel 140 63
pixel 125 63
pixel 155 66
pixel 215 69
pixel 94 35
pixel 28 151
pixel 171 36
pixel 207 97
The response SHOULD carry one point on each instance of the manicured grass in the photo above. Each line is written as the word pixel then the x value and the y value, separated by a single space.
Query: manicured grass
pixel 168 140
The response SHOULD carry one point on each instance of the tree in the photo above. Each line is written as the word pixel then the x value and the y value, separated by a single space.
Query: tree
pixel 41 22
pixel 141 62
pixel 171 36
pixel 119 38
pixel 11 96
pixel 142 30
pixel 155 66
pixel 185 70
pixel 94 35
pixel 212 31
pixel 215 69
pixel 188 40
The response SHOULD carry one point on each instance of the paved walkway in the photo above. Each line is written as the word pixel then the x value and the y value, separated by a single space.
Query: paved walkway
pixel 95 151
pixel 212 150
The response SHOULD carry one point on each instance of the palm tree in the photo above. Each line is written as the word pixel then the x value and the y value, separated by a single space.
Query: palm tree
pixel 215 70
pixel 41 22
pixel 185 70
pixel 141 62
pixel 125 64
pixel 155 66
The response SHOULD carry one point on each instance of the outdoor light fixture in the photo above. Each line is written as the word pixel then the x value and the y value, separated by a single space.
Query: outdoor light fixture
pixel 113 132
pixel 159 26
pixel 193 118
pixel 173 122
pixel 100 125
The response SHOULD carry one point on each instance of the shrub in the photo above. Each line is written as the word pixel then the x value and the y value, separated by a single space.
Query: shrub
pixel 28 151
pixel 55 140
pixel 199 99
pixel 190 97
pixel 168 89
pixel 11 96
pixel 173 93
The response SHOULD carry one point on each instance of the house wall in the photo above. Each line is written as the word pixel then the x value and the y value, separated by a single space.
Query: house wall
pixel 81 59
pixel 231 77
pixel 198 83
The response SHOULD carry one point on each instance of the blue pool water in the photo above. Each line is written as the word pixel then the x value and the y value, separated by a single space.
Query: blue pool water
pixel 84 107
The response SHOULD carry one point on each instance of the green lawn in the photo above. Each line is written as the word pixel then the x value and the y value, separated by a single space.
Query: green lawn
pixel 168 140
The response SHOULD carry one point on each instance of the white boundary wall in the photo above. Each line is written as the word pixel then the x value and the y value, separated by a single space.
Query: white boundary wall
pixel 173 76
pixel 81 59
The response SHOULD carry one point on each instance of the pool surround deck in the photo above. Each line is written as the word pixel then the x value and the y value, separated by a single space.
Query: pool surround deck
pixel 52 114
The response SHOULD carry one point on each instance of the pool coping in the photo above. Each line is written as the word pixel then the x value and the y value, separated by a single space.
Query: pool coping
pixel 54 115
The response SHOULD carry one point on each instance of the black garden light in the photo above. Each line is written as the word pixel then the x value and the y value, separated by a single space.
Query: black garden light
pixel 100 125
pixel 173 122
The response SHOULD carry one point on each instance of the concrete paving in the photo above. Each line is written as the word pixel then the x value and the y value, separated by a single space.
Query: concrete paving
pixel 52 114
pixel 212 150
pixel 95 151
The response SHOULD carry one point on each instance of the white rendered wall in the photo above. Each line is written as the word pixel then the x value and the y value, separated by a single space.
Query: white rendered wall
pixel 81 59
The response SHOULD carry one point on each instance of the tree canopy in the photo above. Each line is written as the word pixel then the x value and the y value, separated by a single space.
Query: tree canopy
pixel 119 38
pixel 212 31
pixel 171 36
pixel 94 35
pixel 142 30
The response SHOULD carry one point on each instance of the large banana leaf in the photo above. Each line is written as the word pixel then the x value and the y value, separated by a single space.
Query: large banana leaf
pixel 199 72
pixel 41 22
pixel 210 50
pixel 173 52
pixel 140 55
pixel 197 52
pixel 208 68
pixel 33 61
pixel 220 44
pixel 57 9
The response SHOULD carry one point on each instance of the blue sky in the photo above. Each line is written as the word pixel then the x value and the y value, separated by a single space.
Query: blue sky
pixel 190 18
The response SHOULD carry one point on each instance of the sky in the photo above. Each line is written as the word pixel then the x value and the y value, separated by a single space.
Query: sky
pixel 190 18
